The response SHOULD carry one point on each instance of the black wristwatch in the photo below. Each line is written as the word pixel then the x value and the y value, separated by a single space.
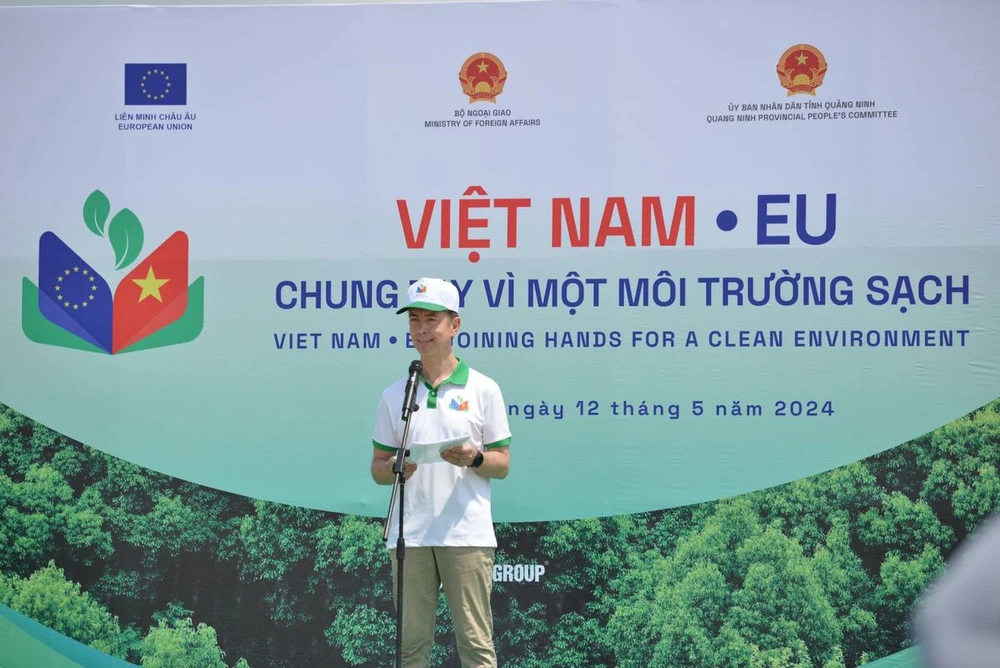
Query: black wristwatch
pixel 478 461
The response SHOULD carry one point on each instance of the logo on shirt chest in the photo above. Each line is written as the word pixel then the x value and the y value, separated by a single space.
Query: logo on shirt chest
pixel 458 404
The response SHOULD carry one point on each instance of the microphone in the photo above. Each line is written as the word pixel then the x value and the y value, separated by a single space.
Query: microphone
pixel 410 397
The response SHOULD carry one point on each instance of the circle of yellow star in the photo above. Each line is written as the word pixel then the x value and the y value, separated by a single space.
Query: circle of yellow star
pixel 151 285
pixel 151 96
pixel 63 299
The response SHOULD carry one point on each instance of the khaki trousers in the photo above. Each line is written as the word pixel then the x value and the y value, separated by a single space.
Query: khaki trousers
pixel 467 576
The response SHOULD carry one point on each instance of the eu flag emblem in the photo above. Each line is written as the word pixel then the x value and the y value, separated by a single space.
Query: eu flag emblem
pixel 156 83
pixel 71 294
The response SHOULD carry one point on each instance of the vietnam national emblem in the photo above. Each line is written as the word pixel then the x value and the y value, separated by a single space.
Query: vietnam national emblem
pixel 801 69
pixel 482 77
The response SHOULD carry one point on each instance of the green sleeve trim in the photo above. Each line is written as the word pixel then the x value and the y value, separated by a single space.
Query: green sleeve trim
pixel 382 446
pixel 498 444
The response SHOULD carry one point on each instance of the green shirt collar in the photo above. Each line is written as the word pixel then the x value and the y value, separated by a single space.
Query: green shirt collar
pixel 459 376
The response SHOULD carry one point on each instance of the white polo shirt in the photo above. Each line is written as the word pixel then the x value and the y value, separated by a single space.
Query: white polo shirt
pixel 445 505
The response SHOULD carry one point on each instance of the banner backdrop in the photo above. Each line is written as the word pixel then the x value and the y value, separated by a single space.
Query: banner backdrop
pixel 705 249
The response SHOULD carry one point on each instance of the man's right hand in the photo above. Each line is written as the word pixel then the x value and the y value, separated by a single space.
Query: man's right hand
pixel 408 469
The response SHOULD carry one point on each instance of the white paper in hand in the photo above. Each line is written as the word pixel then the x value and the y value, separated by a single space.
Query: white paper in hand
pixel 430 453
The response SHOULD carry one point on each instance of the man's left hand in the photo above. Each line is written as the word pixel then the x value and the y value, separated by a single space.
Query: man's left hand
pixel 460 455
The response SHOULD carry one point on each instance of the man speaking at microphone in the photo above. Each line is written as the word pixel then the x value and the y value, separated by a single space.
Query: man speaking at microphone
pixel 447 520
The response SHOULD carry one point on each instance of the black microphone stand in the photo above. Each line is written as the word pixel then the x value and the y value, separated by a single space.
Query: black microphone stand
pixel 398 467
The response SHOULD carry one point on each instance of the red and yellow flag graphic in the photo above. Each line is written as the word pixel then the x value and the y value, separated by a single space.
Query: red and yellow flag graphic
pixel 153 295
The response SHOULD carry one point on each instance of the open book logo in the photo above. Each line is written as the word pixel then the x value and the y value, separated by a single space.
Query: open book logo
pixel 72 304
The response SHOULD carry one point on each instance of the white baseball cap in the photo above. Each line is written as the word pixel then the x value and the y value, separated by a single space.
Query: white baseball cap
pixel 433 294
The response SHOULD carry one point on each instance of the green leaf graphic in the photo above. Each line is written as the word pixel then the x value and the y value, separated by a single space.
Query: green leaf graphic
pixel 125 235
pixel 95 212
